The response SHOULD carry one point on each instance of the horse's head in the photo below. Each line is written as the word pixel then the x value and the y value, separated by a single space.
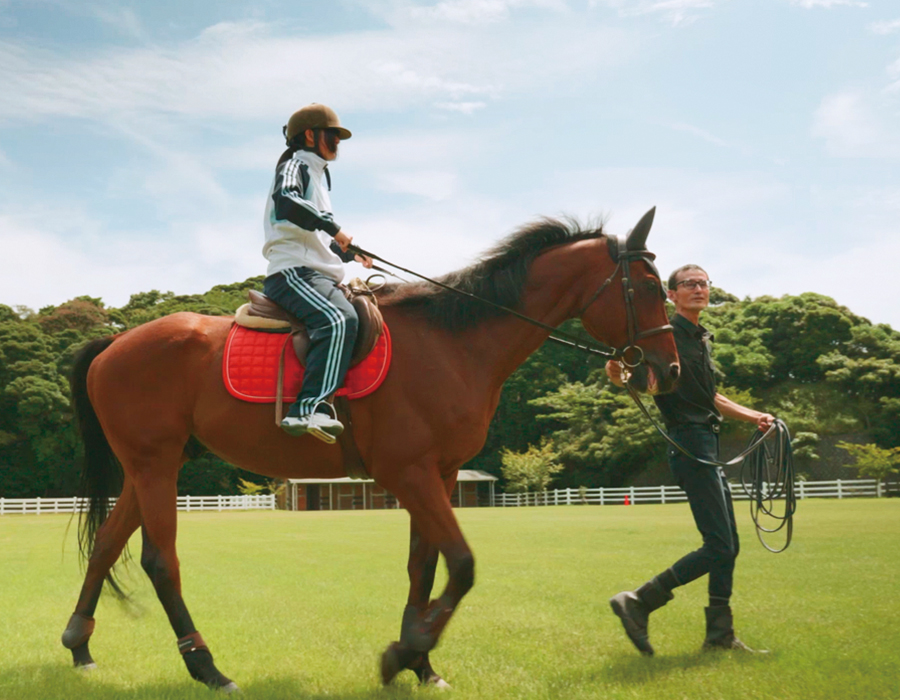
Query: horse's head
pixel 626 310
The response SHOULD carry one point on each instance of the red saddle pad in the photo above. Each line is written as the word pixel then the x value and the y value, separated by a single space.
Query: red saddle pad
pixel 250 367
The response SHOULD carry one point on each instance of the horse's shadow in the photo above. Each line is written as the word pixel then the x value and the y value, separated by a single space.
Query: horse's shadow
pixel 40 682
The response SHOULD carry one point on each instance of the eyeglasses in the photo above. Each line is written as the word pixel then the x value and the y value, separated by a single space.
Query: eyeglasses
pixel 695 284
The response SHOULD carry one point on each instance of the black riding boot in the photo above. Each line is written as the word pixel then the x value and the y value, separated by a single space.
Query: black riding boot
pixel 634 608
pixel 720 631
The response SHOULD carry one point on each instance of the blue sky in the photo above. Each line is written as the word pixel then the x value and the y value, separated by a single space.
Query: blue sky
pixel 138 140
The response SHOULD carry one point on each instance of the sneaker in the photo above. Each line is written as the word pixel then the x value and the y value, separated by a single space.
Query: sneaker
pixel 319 425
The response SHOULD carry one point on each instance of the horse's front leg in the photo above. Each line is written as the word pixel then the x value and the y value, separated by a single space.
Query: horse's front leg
pixel 423 558
pixel 434 530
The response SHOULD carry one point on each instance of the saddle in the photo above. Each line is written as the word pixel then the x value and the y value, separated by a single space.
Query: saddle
pixel 263 314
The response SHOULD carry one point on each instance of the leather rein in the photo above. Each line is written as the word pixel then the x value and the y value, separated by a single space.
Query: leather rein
pixel 623 258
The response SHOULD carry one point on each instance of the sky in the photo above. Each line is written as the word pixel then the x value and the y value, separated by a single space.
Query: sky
pixel 138 139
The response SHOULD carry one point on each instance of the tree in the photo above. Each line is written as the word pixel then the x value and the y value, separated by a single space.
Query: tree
pixel 531 470
pixel 873 461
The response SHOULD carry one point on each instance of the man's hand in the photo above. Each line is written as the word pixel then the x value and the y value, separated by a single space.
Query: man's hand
pixel 765 421
pixel 614 372
pixel 343 240
pixel 365 261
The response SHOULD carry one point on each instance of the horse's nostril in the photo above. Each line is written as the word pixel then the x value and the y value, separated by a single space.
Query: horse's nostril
pixel 674 370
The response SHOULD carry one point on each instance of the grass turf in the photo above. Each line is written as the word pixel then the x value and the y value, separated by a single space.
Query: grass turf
pixel 300 605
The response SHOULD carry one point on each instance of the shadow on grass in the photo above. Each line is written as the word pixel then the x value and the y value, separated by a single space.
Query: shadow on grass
pixel 636 670
pixel 56 681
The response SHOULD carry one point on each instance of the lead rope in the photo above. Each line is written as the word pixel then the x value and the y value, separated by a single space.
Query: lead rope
pixel 761 492
pixel 770 465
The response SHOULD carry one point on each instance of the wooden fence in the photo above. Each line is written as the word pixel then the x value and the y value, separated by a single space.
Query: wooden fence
pixel 840 488
pixel 42 506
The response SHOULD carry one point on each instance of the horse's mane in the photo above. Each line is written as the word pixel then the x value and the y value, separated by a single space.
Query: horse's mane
pixel 497 276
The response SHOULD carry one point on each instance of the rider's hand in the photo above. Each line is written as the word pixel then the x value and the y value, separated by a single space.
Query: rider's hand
pixel 614 372
pixel 365 261
pixel 343 240
pixel 765 421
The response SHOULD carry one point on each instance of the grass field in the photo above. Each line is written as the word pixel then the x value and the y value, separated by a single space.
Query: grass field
pixel 300 605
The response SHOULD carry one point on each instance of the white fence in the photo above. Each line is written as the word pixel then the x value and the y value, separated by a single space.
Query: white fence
pixel 841 488
pixel 41 506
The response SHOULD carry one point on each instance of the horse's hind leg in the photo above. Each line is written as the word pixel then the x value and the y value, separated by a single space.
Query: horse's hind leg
pixel 110 541
pixel 423 494
pixel 158 495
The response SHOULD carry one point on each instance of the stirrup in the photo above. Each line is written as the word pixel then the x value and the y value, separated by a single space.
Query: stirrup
pixel 330 405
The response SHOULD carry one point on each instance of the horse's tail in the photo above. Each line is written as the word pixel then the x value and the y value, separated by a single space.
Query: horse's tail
pixel 101 473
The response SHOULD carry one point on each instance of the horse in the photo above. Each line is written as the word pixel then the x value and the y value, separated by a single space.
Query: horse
pixel 146 399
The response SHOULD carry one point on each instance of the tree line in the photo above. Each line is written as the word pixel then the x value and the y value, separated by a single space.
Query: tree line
pixel 826 371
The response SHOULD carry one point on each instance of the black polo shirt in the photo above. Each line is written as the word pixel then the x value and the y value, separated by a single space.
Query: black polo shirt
pixel 693 400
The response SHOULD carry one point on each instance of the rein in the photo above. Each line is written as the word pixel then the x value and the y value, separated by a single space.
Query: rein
pixel 761 491
pixel 561 337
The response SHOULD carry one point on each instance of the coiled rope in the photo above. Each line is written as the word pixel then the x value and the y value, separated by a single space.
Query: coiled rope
pixel 767 477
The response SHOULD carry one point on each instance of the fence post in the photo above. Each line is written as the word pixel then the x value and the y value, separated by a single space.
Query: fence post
pixel 802 491
pixel 38 511
pixel 602 500
pixel 662 494
pixel 840 489
pixel 2 506
pixel 877 491
pixel 632 496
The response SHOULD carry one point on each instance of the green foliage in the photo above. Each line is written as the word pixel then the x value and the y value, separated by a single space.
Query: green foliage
pixel 803 358
pixel 600 435
pixel 531 470
pixel 873 461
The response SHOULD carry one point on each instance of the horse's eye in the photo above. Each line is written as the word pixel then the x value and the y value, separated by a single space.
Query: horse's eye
pixel 650 285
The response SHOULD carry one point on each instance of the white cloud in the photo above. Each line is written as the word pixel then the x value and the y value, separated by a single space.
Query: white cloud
pixel 431 184
pixel 123 19
pixel 700 133
pixel 478 11
pixel 810 4
pixel 885 26
pixel 675 12
pixel 241 71
pixel 857 124
pixel 463 107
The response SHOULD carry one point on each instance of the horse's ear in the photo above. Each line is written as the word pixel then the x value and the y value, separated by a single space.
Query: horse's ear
pixel 637 237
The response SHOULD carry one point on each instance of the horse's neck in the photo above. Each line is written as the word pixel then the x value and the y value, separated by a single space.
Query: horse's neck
pixel 553 294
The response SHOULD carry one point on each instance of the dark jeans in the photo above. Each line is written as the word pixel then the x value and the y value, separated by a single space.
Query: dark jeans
pixel 710 499
pixel 331 322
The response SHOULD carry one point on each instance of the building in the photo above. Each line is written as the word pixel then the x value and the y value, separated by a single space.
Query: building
pixel 473 488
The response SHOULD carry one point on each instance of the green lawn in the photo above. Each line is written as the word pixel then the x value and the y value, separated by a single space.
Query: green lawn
pixel 300 605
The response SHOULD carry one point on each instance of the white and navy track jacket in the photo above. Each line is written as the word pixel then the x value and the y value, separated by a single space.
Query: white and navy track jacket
pixel 299 225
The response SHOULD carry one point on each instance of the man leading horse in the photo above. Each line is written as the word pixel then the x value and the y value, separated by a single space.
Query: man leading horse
pixel 693 414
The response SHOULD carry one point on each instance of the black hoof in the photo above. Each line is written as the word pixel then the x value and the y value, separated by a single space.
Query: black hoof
pixel 201 667
pixel 395 659
pixel 421 666
pixel 82 657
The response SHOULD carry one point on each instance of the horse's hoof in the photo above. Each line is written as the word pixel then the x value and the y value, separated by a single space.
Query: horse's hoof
pixel 228 689
pixel 436 681
pixel 391 664
pixel 86 668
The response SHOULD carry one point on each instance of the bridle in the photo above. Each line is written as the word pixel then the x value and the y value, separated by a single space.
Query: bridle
pixel 623 257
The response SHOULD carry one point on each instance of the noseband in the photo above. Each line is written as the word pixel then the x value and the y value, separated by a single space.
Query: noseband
pixel 622 256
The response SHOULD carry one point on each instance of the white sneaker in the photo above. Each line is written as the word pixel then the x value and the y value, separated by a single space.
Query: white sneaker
pixel 319 425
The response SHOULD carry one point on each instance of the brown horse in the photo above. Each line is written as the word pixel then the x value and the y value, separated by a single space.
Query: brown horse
pixel 146 397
